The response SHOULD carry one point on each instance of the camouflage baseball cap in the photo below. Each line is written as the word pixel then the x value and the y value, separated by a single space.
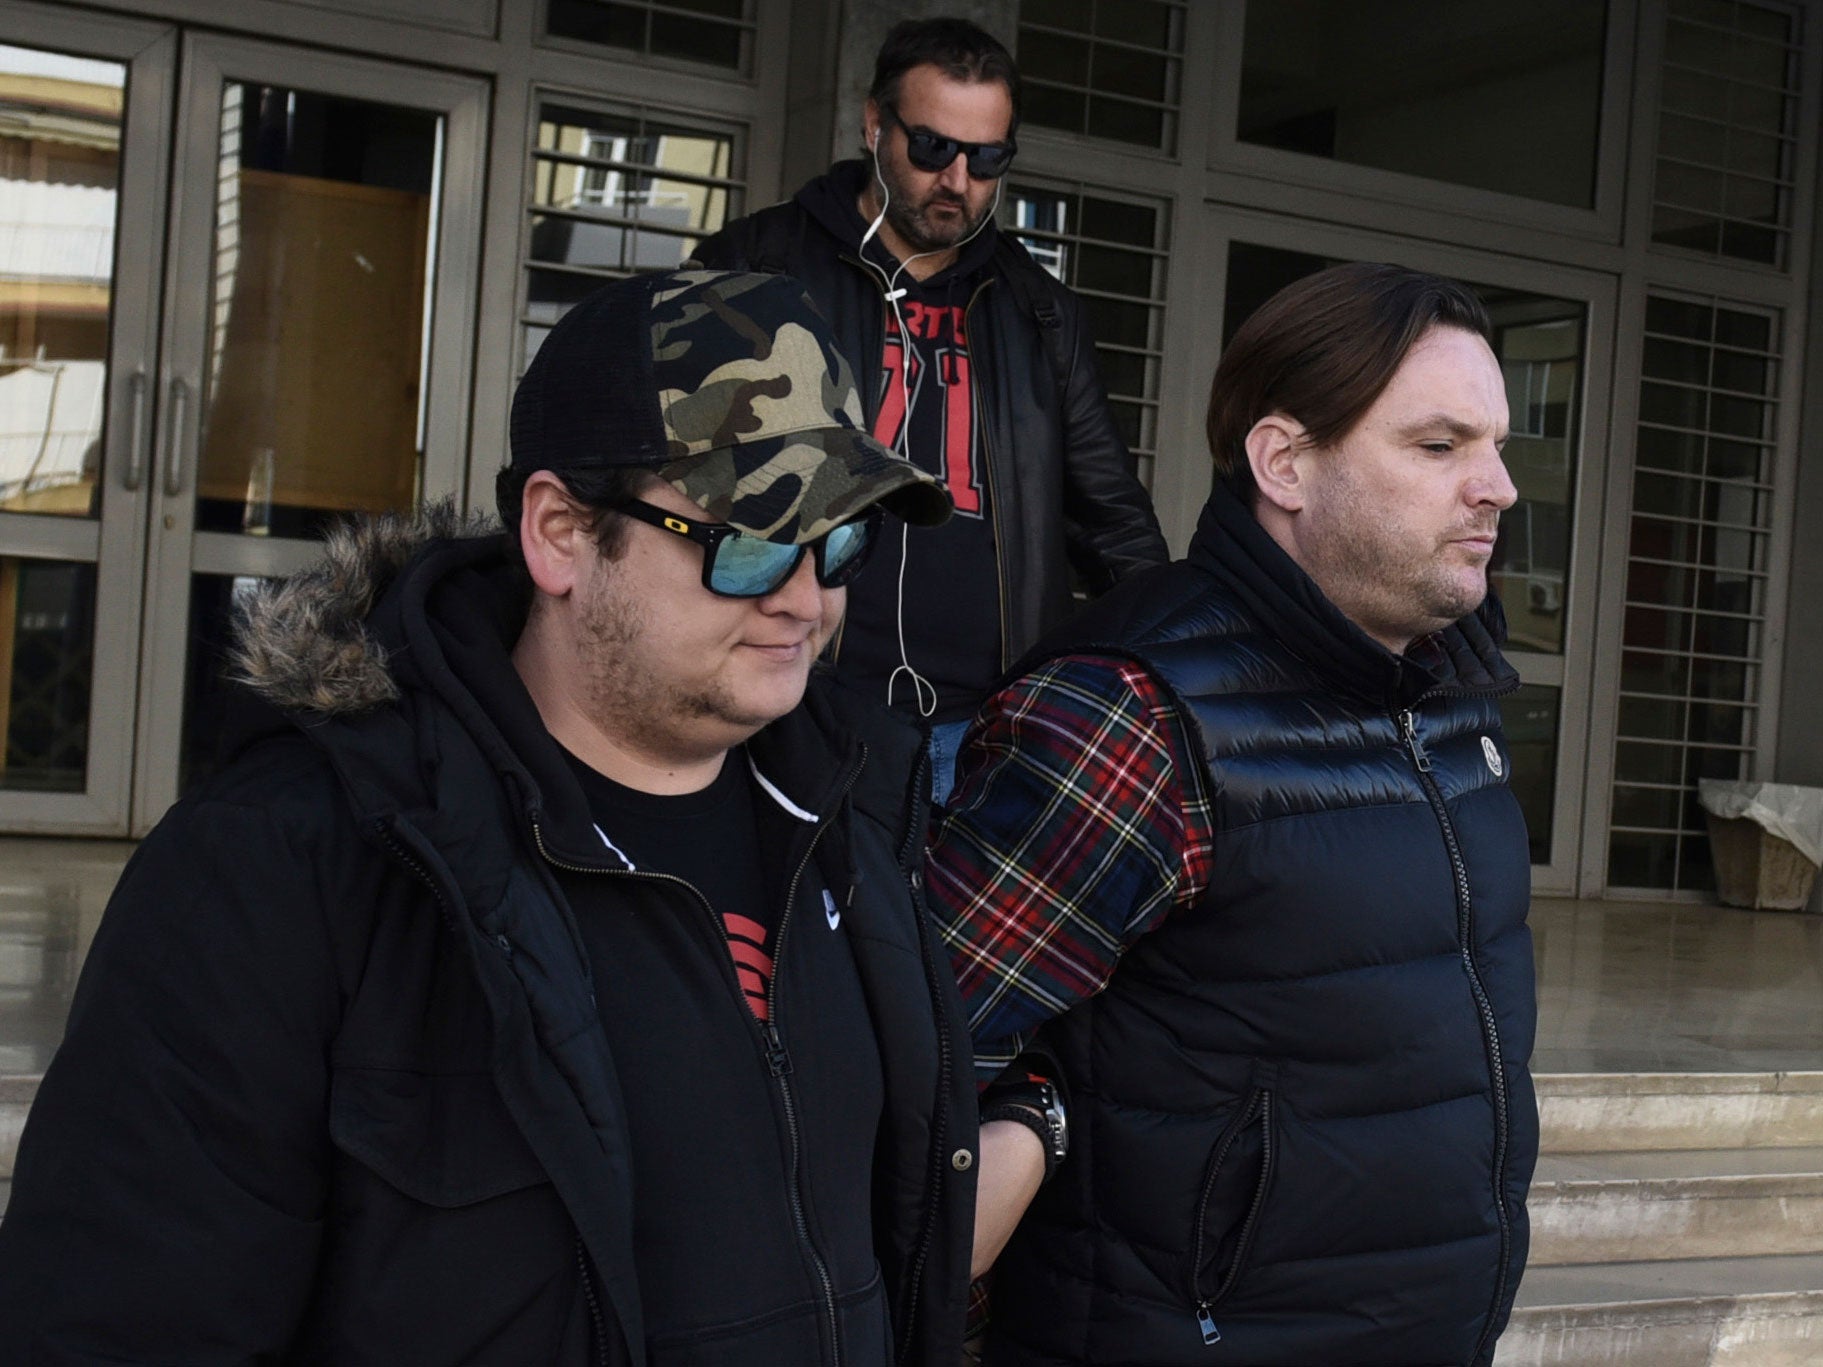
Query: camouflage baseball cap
pixel 729 386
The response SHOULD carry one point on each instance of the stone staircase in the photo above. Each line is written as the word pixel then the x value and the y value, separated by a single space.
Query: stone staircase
pixel 1677 1221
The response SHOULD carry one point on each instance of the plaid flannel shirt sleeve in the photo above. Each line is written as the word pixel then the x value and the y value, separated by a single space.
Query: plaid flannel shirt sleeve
pixel 1076 825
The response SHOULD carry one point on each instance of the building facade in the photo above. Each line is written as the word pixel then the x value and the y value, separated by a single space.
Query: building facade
pixel 269 262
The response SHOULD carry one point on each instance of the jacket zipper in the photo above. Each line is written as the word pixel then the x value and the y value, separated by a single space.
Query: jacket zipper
pixel 778 1060
pixel 1258 1104
pixel 588 1293
pixel 909 850
pixel 1490 1029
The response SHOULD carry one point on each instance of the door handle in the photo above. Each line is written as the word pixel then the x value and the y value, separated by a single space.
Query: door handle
pixel 136 431
pixel 174 438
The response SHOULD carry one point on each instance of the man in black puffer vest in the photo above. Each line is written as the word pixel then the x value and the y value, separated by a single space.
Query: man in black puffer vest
pixel 1240 844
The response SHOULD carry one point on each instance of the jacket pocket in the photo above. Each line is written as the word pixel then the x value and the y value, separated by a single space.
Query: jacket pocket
pixel 1230 1201
pixel 445 1139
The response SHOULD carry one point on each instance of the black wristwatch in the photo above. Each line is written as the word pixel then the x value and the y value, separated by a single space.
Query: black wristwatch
pixel 1037 1106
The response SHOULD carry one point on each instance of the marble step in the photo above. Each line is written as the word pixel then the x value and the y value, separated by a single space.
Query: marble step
pixel 1630 1112
pixel 16 1095
pixel 1683 1204
pixel 1729 1312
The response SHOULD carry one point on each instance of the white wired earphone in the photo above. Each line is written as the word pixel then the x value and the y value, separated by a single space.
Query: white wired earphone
pixel 922 688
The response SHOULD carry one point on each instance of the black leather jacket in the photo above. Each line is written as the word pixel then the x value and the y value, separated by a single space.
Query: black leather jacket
pixel 1061 479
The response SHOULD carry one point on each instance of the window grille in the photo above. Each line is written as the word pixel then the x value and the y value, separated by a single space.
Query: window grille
pixel 716 32
pixel 1727 133
pixel 1108 68
pixel 1697 570
pixel 1112 252
pixel 615 191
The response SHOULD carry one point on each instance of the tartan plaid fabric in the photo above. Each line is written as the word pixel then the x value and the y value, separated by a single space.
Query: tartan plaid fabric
pixel 1076 825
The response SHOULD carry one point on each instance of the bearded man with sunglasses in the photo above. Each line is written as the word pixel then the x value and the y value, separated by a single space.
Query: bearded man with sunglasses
pixel 974 363
pixel 545 980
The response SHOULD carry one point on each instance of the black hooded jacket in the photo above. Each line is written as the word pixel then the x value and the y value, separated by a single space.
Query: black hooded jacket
pixel 1303 1127
pixel 336 1086
pixel 1062 488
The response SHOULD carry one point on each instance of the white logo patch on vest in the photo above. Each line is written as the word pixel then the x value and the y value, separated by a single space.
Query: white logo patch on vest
pixel 830 913
pixel 1492 752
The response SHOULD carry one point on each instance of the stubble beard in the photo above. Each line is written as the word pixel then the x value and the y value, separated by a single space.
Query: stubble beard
pixel 910 218
pixel 626 698
pixel 1392 590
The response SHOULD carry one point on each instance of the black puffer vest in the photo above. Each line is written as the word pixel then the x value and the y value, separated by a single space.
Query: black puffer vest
pixel 1304 1125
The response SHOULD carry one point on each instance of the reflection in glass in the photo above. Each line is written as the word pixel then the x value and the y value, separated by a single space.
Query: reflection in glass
pixel 314 374
pixel 614 193
pixel 1436 93
pixel 1540 343
pixel 59 179
pixel 47 660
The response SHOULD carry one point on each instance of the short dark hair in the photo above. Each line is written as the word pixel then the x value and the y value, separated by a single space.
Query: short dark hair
pixel 963 51
pixel 1322 350
pixel 599 491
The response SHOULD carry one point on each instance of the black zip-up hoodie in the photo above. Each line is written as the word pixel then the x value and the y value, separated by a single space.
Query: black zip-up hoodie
pixel 336 1086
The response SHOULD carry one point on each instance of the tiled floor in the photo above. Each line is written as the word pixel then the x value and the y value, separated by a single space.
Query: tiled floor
pixel 1623 986
pixel 1648 987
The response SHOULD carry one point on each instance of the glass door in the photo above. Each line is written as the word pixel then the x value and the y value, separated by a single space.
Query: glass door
pixel 314 361
pixel 237 290
pixel 85 111
pixel 1553 330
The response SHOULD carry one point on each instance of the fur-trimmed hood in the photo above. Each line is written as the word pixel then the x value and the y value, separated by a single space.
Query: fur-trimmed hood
pixel 304 644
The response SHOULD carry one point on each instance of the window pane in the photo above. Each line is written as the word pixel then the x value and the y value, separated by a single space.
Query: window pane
pixel 47 628
pixel 715 32
pixel 59 175
pixel 1107 68
pixel 1726 154
pixel 323 222
pixel 616 191
pixel 1434 94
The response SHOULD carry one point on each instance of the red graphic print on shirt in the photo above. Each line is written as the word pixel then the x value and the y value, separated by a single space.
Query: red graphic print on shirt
pixel 752 965
pixel 939 346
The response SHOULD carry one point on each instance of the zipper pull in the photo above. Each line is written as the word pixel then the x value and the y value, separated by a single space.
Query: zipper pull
pixel 1408 724
pixel 776 1057
pixel 1206 1322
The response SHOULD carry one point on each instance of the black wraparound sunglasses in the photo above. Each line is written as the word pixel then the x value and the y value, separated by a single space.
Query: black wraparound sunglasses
pixel 930 151
pixel 737 565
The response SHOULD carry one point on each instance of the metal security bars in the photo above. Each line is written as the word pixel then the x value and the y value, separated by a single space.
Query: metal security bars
pixel 615 191
pixel 1693 637
pixel 716 32
pixel 1113 253
pixel 1727 134
pixel 1108 68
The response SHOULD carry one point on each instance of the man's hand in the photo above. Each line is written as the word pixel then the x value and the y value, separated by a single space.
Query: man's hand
pixel 1007 1178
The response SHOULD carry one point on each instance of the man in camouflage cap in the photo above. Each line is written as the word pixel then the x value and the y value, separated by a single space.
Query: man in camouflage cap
pixel 546 979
